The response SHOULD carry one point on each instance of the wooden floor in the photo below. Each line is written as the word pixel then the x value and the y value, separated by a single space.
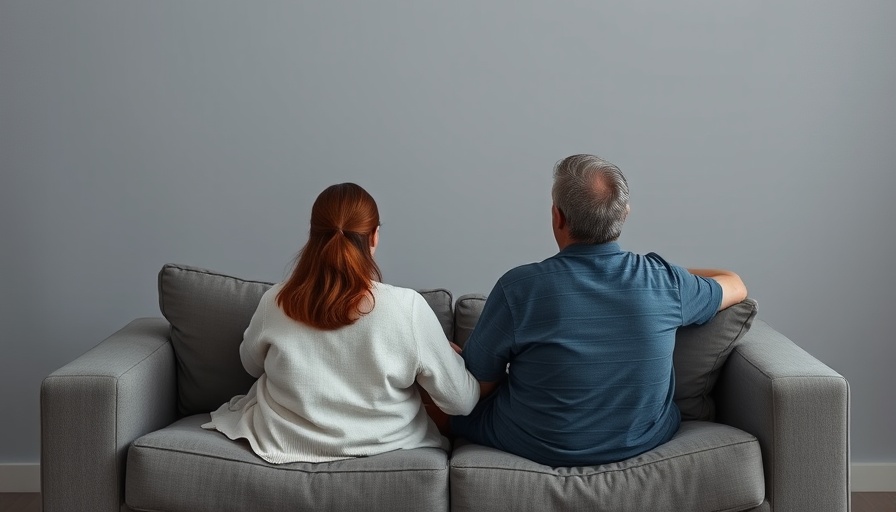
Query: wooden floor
pixel 19 502
pixel 873 502
pixel 861 502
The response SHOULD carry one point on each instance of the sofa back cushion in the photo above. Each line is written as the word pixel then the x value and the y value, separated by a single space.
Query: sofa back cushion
pixel 700 351
pixel 209 312
pixel 466 314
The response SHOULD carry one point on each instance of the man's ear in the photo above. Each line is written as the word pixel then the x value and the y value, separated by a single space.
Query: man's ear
pixel 557 217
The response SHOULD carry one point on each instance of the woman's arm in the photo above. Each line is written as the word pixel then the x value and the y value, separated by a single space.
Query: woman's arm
pixel 252 350
pixel 442 373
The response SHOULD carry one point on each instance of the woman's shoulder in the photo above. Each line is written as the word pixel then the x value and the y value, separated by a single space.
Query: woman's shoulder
pixel 398 300
pixel 396 293
pixel 267 303
pixel 271 293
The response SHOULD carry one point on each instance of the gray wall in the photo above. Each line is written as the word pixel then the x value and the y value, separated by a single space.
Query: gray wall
pixel 758 136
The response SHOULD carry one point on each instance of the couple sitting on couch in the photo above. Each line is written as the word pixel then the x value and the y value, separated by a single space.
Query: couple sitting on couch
pixel 570 363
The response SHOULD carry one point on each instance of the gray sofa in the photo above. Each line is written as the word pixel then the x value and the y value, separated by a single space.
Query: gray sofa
pixel 767 428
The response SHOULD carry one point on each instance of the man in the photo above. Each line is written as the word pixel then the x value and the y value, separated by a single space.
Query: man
pixel 574 354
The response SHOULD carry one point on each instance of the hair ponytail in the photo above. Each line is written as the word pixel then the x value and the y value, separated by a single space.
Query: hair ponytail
pixel 335 269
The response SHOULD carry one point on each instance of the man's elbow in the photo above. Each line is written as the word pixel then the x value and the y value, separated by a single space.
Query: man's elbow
pixel 741 289
pixel 734 291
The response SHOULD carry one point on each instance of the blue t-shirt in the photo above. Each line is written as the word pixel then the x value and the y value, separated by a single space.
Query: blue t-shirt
pixel 588 335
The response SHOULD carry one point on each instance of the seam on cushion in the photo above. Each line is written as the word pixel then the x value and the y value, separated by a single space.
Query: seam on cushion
pixel 120 490
pixel 673 457
pixel 125 372
pixel 769 493
pixel 463 300
pixel 769 377
pixel 421 291
pixel 282 467
pixel 141 509
pixel 183 268
pixel 736 507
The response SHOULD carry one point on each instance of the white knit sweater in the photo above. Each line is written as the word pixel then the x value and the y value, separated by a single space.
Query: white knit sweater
pixel 350 392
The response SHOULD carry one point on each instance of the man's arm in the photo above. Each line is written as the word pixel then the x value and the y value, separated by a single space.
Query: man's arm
pixel 733 288
pixel 485 388
pixel 487 351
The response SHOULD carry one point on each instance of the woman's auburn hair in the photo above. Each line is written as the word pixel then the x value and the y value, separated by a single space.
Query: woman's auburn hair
pixel 335 270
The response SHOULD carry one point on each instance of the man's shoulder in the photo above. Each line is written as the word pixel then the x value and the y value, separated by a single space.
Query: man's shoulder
pixel 658 263
pixel 525 272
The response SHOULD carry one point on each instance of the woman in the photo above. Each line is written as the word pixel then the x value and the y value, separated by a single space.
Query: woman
pixel 338 354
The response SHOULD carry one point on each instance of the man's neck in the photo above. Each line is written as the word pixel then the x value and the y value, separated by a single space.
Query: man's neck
pixel 564 240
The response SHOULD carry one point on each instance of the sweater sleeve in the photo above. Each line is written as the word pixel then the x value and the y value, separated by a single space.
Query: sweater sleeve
pixel 252 349
pixel 441 370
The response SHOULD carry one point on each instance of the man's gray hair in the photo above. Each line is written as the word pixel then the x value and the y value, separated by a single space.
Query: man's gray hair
pixel 593 196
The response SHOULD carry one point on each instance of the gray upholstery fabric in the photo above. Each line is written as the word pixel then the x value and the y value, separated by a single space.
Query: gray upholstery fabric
pixel 466 314
pixel 705 467
pixel 798 408
pixel 440 300
pixel 700 353
pixel 185 468
pixel 209 313
pixel 94 407
pixel 125 387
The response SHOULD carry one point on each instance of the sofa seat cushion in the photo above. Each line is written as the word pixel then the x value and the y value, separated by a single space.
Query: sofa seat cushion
pixel 705 467
pixel 183 467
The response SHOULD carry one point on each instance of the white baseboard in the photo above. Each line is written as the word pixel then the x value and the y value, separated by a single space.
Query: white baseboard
pixel 874 477
pixel 866 477
pixel 19 477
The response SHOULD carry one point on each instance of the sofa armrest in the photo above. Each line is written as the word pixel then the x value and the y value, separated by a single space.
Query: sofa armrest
pixel 95 406
pixel 798 408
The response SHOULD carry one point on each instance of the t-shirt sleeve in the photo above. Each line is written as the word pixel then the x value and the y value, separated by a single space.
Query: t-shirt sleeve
pixel 488 349
pixel 700 296
pixel 441 372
